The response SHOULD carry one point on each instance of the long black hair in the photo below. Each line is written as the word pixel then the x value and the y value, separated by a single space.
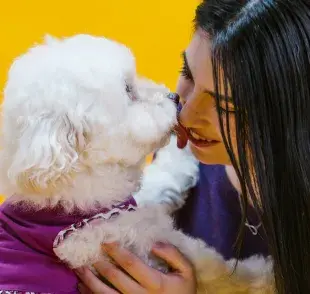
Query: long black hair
pixel 261 54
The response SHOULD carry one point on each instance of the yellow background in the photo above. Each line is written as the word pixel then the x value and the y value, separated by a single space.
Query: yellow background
pixel 156 31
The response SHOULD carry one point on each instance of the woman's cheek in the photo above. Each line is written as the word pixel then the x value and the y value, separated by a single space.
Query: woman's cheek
pixel 232 131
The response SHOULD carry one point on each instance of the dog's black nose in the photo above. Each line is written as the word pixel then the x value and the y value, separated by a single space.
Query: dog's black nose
pixel 174 97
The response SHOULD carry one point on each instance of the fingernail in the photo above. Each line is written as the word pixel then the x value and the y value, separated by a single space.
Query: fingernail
pixel 160 245
pixel 109 246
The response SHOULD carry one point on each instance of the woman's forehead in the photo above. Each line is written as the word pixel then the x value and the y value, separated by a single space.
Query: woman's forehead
pixel 199 58
pixel 198 54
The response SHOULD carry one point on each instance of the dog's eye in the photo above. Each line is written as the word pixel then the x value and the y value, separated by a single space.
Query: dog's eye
pixel 128 88
pixel 130 92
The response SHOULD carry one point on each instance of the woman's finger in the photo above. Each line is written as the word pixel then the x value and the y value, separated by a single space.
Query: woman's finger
pixel 174 258
pixel 148 277
pixel 92 282
pixel 117 278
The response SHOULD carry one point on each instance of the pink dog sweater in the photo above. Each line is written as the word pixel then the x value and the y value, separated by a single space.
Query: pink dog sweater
pixel 27 261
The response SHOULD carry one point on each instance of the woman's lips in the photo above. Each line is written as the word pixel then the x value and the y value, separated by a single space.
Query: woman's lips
pixel 184 135
pixel 200 141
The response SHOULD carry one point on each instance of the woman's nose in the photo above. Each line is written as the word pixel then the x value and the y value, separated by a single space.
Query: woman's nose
pixel 196 110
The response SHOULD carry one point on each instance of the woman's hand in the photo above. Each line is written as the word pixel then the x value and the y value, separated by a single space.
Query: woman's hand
pixel 141 279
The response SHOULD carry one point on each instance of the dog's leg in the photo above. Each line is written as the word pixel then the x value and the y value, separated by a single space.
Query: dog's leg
pixel 168 178
pixel 137 231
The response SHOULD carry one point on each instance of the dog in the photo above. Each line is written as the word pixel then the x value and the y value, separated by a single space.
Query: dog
pixel 78 124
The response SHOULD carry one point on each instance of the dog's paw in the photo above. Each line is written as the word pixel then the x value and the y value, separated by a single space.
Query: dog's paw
pixel 160 188
pixel 136 229
pixel 80 244
pixel 168 178
pixel 81 248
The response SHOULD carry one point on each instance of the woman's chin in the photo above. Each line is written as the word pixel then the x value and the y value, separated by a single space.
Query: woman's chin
pixel 212 155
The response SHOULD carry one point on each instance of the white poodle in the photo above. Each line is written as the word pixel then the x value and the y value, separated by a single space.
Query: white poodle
pixel 77 126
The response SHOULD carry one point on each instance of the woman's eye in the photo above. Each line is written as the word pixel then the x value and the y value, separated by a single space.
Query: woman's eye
pixel 185 72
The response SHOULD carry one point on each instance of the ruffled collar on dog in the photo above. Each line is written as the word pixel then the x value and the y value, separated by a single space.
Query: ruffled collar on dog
pixel 106 214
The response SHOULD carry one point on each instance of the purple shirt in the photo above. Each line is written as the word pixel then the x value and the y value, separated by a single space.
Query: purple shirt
pixel 213 214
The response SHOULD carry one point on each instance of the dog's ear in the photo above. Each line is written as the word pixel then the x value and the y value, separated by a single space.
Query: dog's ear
pixel 48 153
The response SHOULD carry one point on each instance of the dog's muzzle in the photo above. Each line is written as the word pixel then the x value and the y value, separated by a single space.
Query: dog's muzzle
pixel 179 129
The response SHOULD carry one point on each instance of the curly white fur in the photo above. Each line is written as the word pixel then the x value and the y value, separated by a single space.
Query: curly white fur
pixel 71 131
pixel 77 125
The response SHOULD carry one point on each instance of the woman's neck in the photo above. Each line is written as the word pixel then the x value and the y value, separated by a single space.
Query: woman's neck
pixel 232 176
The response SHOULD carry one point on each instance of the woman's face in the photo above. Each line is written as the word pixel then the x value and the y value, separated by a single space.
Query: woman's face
pixel 199 114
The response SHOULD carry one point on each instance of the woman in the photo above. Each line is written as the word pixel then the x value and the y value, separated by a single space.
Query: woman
pixel 245 89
